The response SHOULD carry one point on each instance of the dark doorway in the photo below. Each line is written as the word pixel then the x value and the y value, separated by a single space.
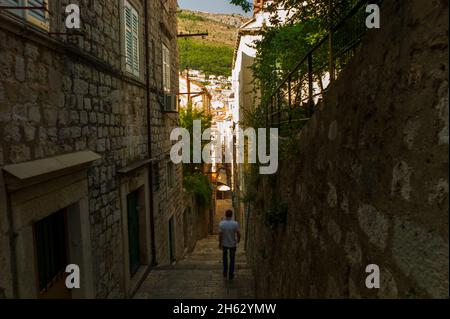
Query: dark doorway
pixel 52 254
pixel 134 247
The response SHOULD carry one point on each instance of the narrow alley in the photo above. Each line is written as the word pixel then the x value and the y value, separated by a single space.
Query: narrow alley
pixel 199 276
pixel 314 132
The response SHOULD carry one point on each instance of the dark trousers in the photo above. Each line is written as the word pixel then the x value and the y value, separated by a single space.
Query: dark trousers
pixel 229 271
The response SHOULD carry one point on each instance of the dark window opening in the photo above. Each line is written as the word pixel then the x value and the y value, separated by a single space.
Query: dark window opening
pixel 51 249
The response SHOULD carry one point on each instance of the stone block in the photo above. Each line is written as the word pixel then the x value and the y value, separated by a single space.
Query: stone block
pixel 92 117
pixel 31 51
pixel 11 133
pixel 30 132
pixel 6 64
pixel 439 193
pixel 19 69
pixel 75 132
pixel 352 249
pixel 388 285
pixel 401 181
pixel 74 117
pixel 80 87
pixel 51 116
pixel 334 231
pixel 423 256
pixel 19 153
pixel 443 114
pixel 332 195
pixel 374 224
pixel 101 145
pixel 34 114
pixel 20 112
pixel 87 104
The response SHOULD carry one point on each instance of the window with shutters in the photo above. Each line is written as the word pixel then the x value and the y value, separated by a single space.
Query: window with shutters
pixel 170 174
pixel 131 39
pixel 38 16
pixel 169 97
pixel 166 68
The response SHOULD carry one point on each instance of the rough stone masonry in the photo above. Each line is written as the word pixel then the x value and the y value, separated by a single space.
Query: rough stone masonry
pixel 68 94
pixel 370 185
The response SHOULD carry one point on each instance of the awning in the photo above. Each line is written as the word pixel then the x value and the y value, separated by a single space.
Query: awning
pixel 29 173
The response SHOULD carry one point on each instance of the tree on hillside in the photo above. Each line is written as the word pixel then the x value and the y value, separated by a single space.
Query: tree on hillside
pixel 244 4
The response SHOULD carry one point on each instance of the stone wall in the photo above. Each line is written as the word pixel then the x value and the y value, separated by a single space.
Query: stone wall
pixel 197 222
pixel 67 94
pixel 370 183
pixel 168 198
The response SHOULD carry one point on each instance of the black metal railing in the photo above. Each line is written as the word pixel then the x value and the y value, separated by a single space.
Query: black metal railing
pixel 295 98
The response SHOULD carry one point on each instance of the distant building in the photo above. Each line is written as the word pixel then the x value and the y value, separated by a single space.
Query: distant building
pixel 194 73
pixel 201 77
pixel 193 92
pixel 218 104
pixel 246 97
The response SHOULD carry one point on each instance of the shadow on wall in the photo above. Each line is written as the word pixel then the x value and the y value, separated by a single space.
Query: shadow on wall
pixel 370 184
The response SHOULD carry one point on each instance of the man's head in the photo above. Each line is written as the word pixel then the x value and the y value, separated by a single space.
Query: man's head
pixel 229 214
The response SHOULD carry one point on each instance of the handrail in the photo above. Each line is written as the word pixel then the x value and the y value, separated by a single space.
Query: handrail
pixel 308 83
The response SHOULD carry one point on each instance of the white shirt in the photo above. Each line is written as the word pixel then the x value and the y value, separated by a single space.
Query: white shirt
pixel 228 229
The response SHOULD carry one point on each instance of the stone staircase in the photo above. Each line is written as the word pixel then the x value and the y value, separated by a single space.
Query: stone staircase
pixel 199 276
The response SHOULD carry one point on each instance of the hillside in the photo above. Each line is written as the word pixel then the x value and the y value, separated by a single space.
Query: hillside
pixel 212 54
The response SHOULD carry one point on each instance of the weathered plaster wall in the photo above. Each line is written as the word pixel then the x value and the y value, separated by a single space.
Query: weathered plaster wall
pixel 370 185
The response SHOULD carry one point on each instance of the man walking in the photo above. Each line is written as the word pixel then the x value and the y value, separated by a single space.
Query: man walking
pixel 229 237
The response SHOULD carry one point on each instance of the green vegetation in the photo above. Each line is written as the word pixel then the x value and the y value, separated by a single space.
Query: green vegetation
pixel 244 4
pixel 209 58
pixel 190 16
pixel 199 185
pixel 280 50
pixel 194 180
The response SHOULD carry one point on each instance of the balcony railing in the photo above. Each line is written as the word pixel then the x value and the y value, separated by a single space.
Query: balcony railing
pixel 296 97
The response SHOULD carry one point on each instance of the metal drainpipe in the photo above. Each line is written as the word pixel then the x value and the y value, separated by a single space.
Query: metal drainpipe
pixel 149 132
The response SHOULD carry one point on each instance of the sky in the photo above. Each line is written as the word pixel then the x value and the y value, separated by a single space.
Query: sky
pixel 213 6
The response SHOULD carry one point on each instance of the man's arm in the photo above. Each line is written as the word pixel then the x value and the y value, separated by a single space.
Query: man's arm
pixel 238 233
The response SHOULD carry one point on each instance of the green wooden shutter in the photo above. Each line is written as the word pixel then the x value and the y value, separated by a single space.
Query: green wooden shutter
pixel 166 68
pixel 135 30
pixel 37 17
pixel 128 38
pixel 38 14
pixel 131 18
pixel 13 3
